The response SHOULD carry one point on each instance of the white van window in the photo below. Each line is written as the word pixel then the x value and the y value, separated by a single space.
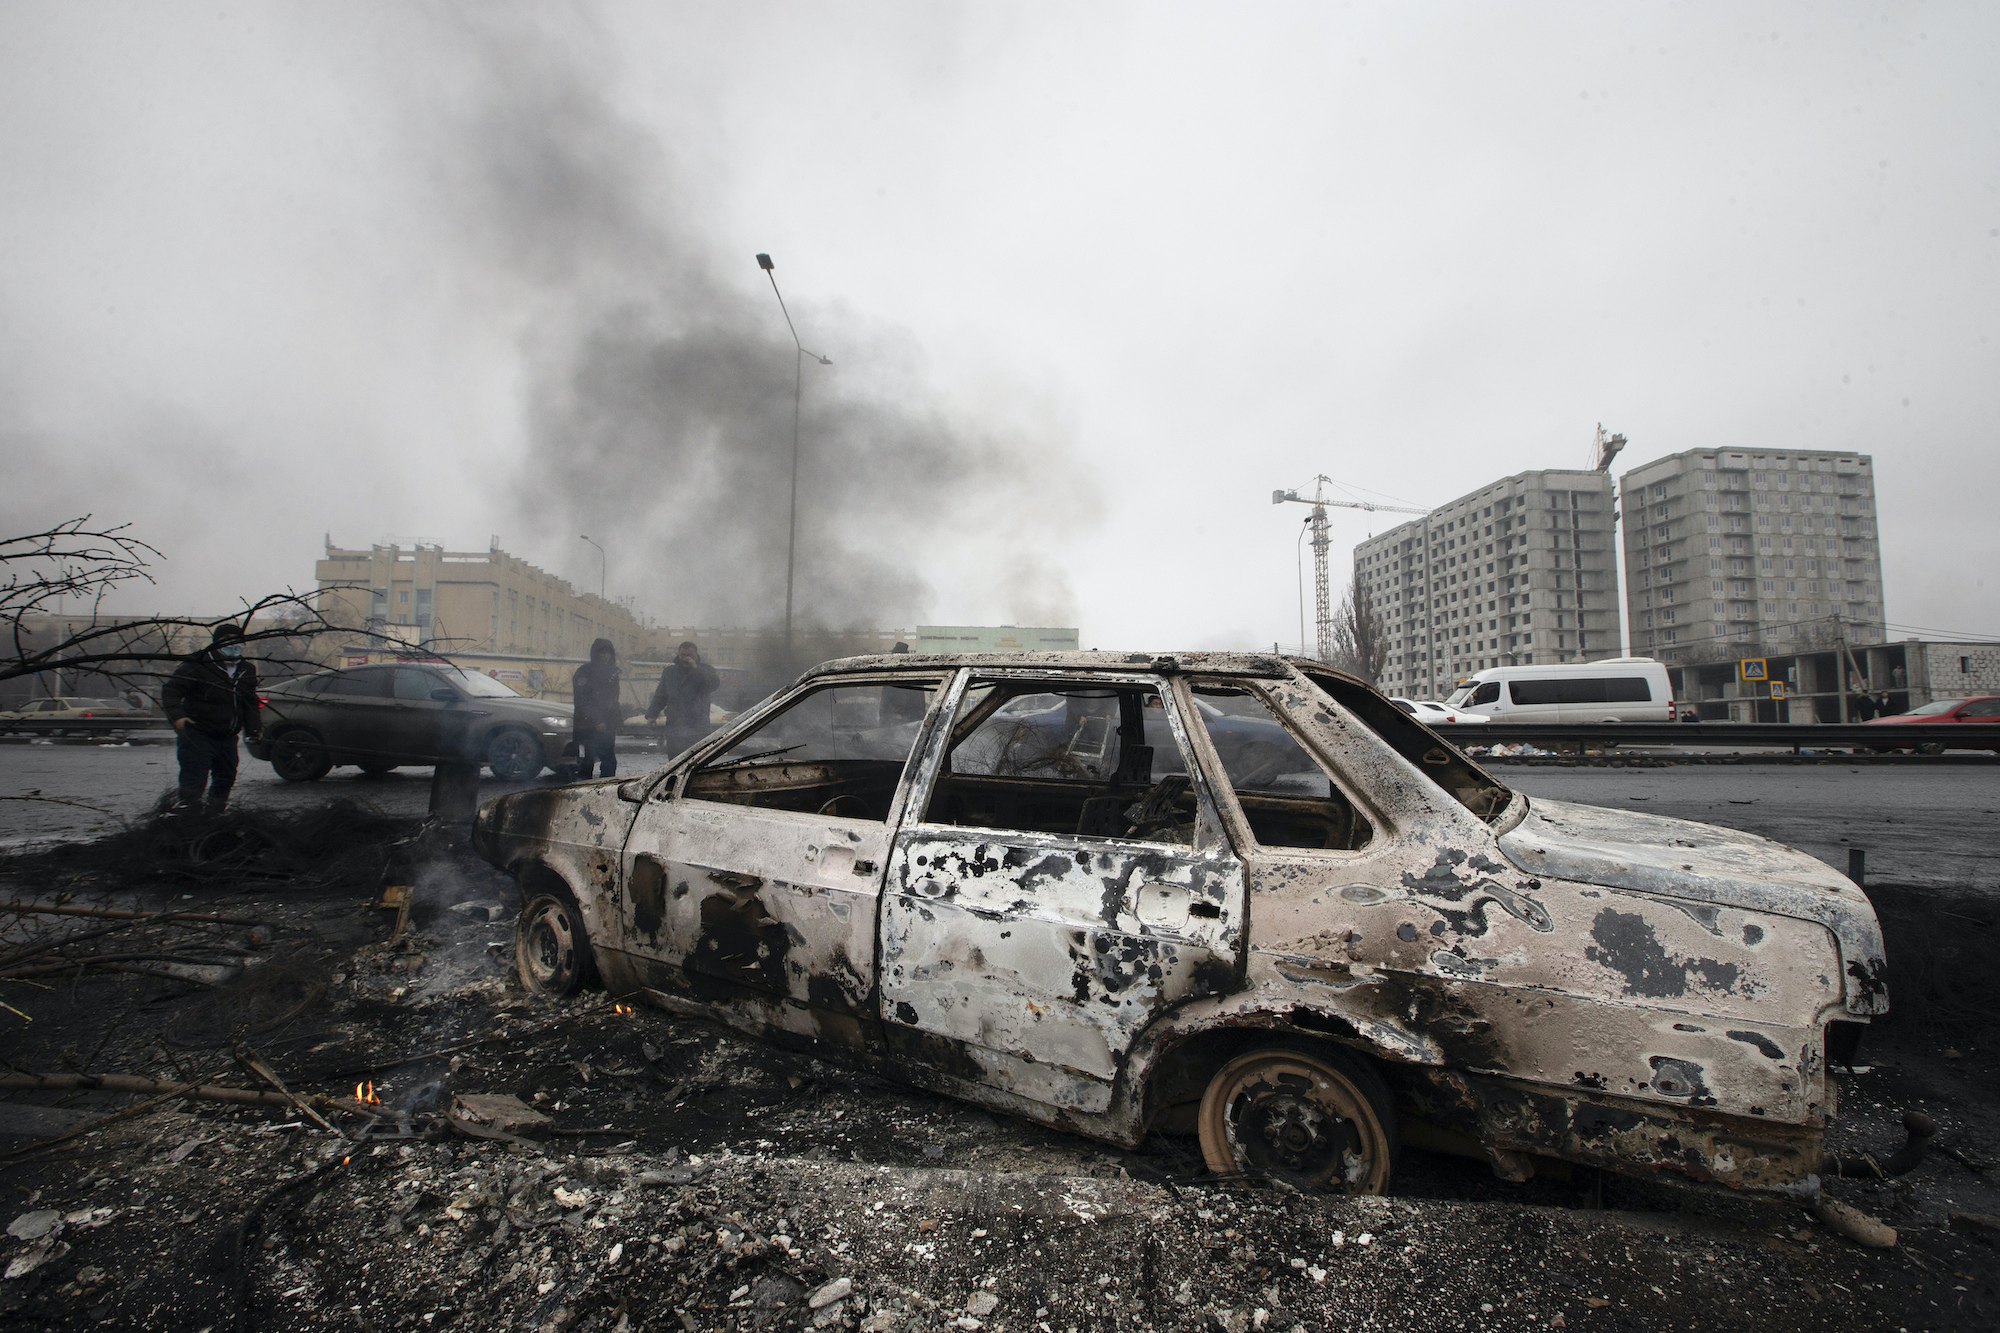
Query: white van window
pixel 1487 693
pixel 1581 690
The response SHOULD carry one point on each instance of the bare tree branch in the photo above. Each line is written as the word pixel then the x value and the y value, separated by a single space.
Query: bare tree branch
pixel 1360 634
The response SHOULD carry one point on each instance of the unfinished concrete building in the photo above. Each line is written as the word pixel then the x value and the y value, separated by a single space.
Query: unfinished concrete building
pixel 1733 550
pixel 1519 572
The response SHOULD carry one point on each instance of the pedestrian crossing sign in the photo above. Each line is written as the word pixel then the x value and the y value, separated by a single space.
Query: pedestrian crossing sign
pixel 1777 689
pixel 1752 668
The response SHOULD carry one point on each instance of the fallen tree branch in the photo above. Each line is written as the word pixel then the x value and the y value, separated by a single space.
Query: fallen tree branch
pixel 111 914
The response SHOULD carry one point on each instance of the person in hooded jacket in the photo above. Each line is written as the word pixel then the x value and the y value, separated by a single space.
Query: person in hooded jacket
pixel 598 710
pixel 683 693
pixel 210 699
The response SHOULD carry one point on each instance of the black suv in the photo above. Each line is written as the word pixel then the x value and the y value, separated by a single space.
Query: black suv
pixel 381 717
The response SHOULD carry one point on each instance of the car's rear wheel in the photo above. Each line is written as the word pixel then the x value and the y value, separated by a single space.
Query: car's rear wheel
pixel 551 948
pixel 514 756
pixel 300 756
pixel 375 768
pixel 1315 1120
pixel 1931 747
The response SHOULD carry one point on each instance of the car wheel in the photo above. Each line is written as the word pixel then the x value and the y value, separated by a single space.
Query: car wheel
pixel 514 756
pixel 1931 747
pixel 375 768
pixel 551 948
pixel 1318 1121
pixel 300 756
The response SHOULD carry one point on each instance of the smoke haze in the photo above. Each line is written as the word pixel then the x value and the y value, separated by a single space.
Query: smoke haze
pixel 660 392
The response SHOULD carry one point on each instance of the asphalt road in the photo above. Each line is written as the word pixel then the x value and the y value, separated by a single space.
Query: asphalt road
pixel 1920 826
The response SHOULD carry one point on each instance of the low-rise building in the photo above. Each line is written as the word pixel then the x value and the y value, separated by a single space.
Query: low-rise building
pixel 472 601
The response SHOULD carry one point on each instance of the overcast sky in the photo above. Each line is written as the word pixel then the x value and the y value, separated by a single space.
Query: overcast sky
pixel 1094 279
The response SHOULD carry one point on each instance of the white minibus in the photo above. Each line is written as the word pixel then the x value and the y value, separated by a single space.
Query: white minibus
pixel 1616 689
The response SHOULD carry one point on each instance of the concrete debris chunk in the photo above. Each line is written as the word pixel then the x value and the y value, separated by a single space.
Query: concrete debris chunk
pixel 506 1113
pixel 28 1260
pixel 35 1225
pixel 838 1289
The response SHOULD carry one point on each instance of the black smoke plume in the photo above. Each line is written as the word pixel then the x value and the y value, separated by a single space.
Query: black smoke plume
pixel 661 397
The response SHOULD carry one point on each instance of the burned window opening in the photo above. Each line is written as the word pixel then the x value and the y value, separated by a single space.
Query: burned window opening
pixel 838 751
pixel 1468 784
pixel 1042 757
pixel 1288 797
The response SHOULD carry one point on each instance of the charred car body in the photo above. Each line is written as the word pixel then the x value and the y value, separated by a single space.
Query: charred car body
pixel 1243 896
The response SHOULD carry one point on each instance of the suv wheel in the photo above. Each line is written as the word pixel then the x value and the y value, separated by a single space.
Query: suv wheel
pixel 300 756
pixel 514 756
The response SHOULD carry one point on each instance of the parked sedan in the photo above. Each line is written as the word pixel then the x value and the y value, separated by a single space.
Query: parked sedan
pixel 1043 883
pixel 78 714
pixel 1983 708
pixel 382 717
pixel 1430 712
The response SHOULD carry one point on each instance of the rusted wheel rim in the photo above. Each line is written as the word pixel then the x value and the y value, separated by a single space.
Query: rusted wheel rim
pixel 545 948
pixel 1291 1116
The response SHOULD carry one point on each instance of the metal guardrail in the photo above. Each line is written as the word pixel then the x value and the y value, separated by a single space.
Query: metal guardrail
pixel 81 726
pixel 1793 735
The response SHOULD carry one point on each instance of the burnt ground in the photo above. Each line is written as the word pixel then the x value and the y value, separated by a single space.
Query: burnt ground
pixel 697 1180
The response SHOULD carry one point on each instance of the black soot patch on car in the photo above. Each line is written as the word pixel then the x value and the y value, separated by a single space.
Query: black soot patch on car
pixel 649 896
pixel 1461 896
pixel 1625 943
pixel 1764 1044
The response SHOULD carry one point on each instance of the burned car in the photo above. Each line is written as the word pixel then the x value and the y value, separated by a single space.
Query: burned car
pixel 1242 897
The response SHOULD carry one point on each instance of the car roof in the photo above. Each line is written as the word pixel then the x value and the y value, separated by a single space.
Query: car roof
pixel 1234 664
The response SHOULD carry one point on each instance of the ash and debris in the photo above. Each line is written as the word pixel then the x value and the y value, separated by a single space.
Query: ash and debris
pixel 681 1177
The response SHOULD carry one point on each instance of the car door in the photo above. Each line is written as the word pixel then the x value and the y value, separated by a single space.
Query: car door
pixel 751 881
pixel 1061 884
pixel 414 721
pixel 352 712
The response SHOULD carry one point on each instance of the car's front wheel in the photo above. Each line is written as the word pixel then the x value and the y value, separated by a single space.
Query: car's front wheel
pixel 1315 1120
pixel 300 756
pixel 551 948
pixel 514 756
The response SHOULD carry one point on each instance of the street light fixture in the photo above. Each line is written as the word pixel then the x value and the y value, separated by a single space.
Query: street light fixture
pixel 798 388
pixel 600 567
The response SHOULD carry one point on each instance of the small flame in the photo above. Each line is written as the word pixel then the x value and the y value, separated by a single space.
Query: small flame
pixel 621 1009
pixel 364 1093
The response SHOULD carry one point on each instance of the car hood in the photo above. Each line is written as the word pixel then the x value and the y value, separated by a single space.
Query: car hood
pixel 1700 863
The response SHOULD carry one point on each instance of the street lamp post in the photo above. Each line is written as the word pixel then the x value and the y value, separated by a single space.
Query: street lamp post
pixel 798 389
pixel 600 567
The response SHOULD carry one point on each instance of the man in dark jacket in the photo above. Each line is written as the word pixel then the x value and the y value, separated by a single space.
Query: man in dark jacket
pixel 683 694
pixel 598 710
pixel 210 698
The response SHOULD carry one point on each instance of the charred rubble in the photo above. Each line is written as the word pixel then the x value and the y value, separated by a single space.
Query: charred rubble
pixel 414 1142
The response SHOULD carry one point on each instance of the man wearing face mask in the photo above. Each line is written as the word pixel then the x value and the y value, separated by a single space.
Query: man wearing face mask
pixel 211 697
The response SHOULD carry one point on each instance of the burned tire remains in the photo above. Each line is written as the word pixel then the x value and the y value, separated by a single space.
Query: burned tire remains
pixel 551 950
pixel 1314 1121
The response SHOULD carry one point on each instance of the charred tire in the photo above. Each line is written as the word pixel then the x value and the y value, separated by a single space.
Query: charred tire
pixel 513 755
pixel 552 951
pixel 300 756
pixel 1316 1120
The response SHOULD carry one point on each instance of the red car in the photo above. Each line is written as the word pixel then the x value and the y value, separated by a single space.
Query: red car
pixel 1940 712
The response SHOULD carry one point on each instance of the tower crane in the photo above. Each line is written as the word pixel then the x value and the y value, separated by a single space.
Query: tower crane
pixel 1322 586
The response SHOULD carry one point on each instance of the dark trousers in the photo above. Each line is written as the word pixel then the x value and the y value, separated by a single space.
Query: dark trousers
pixel 601 750
pixel 207 760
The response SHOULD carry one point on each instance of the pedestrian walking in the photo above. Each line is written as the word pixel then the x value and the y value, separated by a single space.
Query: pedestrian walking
pixel 210 699
pixel 682 695
pixel 598 710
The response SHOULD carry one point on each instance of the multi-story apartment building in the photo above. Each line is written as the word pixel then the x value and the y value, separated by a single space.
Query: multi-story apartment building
pixel 471 600
pixel 1519 572
pixel 1727 548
